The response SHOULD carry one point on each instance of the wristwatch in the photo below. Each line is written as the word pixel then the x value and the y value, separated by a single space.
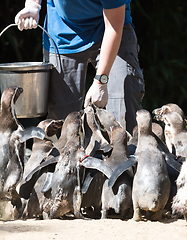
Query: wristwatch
pixel 103 79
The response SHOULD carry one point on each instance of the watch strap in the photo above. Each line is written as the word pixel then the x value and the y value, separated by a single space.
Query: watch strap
pixel 98 77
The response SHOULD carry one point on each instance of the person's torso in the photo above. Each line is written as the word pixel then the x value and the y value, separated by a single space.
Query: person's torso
pixel 75 25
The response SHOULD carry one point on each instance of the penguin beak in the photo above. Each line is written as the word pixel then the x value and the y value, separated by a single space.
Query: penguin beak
pixel 18 91
pixel 157 114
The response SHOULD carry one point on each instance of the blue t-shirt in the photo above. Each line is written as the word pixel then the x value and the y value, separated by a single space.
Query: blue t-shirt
pixel 75 25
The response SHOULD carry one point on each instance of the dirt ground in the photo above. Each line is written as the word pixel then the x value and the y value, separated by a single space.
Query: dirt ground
pixel 109 229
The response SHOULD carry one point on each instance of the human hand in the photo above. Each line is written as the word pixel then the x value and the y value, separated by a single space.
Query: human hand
pixel 97 94
pixel 28 17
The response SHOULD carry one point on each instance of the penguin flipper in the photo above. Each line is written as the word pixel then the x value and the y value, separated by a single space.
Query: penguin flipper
pixel 121 169
pixel 52 160
pixel 31 132
pixel 88 180
pixel 96 163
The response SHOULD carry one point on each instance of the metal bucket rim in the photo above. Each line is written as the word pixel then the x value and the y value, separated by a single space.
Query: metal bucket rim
pixel 25 65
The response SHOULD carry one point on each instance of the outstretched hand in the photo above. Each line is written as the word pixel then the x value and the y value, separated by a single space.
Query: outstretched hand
pixel 97 94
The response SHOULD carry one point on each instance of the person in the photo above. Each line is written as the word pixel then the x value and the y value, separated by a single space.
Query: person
pixel 99 32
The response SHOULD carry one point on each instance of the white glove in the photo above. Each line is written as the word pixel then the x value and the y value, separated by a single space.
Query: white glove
pixel 97 94
pixel 28 17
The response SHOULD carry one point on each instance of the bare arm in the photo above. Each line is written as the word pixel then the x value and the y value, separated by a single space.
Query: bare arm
pixel 114 22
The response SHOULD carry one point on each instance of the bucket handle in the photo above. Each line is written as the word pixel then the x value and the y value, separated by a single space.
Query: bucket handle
pixel 14 24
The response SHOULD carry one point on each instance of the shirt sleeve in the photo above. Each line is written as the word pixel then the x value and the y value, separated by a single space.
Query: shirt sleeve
pixel 109 4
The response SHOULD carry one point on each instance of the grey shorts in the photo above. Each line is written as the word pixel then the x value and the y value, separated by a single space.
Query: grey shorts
pixel 126 84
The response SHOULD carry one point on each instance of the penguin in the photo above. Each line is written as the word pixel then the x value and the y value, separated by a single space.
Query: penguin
pixel 12 146
pixel 94 141
pixel 176 125
pixel 158 115
pixel 170 107
pixel 179 203
pixel 118 197
pixel 31 195
pixel 151 184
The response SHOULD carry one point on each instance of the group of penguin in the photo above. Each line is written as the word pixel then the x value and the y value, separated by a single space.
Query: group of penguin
pixel 147 167
pixel 175 133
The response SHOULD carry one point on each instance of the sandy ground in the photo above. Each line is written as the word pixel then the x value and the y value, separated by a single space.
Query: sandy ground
pixel 93 229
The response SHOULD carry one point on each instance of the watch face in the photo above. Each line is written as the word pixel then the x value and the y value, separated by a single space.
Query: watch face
pixel 104 79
